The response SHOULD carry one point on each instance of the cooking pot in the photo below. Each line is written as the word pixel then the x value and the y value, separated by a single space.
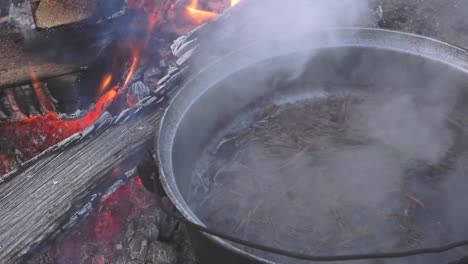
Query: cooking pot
pixel 215 95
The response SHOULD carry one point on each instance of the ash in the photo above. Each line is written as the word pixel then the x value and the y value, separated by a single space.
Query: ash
pixel 121 230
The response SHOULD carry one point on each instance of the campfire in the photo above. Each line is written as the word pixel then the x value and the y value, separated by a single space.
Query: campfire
pixel 55 102
pixel 35 118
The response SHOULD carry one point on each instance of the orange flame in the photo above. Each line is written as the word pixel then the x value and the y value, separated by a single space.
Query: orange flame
pixel 199 16
pixel 35 134
pixel 138 48
pixel 95 113
pixel 136 56
pixel 106 81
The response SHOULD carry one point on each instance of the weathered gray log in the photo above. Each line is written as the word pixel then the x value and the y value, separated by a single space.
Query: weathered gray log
pixel 35 202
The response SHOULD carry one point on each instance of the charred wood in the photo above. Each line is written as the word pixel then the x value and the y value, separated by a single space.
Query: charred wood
pixel 28 100
pixel 14 108
pixel 56 53
pixel 64 91
pixel 49 14
pixel 43 97
pixel 17 58
pixel 57 94
pixel 43 194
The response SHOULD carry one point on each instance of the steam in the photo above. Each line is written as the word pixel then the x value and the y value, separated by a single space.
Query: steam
pixel 275 26
pixel 404 129
pixel 416 133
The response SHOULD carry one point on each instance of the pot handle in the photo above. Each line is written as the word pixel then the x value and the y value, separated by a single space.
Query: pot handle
pixel 148 173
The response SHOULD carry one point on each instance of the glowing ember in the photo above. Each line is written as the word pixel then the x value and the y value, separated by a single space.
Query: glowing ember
pixel 199 16
pixel 102 236
pixel 37 133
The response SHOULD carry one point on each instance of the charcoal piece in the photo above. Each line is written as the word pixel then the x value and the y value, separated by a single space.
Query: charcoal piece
pixel 87 131
pixel 16 113
pixel 167 226
pixel 103 121
pixel 3 116
pixel 138 247
pixel 140 90
pixel 152 75
pixel 19 157
pixel 28 101
pixel 122 115
pixel 44 98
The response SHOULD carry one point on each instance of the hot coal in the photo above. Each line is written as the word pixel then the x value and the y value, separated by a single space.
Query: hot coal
pixel 336 174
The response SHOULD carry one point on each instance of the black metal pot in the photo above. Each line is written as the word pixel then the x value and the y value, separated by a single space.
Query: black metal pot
pixel 222 89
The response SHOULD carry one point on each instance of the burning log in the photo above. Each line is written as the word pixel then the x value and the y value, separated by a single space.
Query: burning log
pixel 43 193
pixel 63 51
pixel 49 14
pixel 43 56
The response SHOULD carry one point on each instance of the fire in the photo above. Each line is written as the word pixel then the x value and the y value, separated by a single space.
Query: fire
pixel 138 47
pixel 35 134
pixel 136 56
pixel 95 113
pixel 106 81
pixel 198 15
pixel 95 238
pixel 138 181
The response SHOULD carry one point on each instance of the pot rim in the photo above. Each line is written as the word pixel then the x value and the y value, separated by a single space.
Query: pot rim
pixel 403 42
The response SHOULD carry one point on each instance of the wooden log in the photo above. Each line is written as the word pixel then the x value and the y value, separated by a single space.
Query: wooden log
pixel 35 203
pixel 39 198
pixel 51 14
pixel 16 62
pixel 44 58
pixel 57 52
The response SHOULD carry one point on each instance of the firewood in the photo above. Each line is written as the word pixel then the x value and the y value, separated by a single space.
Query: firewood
pixel 50 14
pixel 44 194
